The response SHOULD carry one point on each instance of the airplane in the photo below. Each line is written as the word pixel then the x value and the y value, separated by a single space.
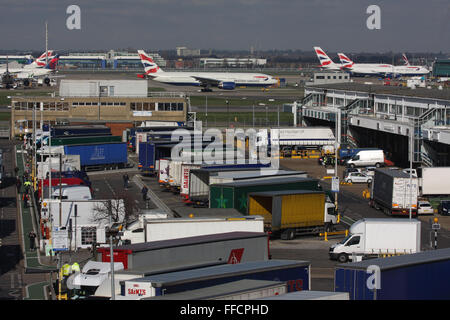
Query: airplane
pixel 40 62
pixel 409 70
pixel 364 69
pixel 206 80
pixel 325 61
pixel 38 69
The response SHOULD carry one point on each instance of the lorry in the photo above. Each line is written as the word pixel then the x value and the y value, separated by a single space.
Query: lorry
pixel 293 212
pixel 99 156
pixel 306 136
pixel 375 237
pixel 70 140
pixel 235 194
pixel 63 181
pixel 200 180
pixel 364 158
pixel 51 164
pixel 418 276
pixel 394 193
pixel 173 228
pixel 295 273
pixel 151 152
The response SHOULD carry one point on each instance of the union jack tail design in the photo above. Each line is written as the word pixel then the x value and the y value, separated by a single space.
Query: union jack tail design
pixel 40 61
pixel 324 59
pixel 345 61
pixel 150 66
pixel 405 59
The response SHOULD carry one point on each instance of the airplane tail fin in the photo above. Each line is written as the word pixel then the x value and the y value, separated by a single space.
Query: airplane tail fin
pixel 325 61
pixel 52 63
pixel 405 59
pixel 150 66
pixel 345 61
pixel 40 61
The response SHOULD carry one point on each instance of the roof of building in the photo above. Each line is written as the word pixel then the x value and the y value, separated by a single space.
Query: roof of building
pixel 388 90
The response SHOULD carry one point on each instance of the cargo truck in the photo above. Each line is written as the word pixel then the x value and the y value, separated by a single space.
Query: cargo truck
pixel 372 237
pixel 295 273
pixel 173 228
pixel 64 141
pixel 392 192
pixel 200 180
pixel 99 156
pixel 294 212
pixel 150 153
pixel 235 194
pixel 418 276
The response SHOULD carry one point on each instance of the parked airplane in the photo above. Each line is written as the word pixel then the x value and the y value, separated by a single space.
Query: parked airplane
pixel 41 61
pixel 363 69
pixel 408 70
pixel 222 80
pixel 325 61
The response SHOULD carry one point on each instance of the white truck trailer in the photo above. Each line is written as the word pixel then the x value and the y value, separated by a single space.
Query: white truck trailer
pixel 377 237
pixel 174 228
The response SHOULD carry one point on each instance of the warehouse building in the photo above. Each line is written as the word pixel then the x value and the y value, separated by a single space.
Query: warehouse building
pixel 383 117
pixel 441 68
pixel 125 103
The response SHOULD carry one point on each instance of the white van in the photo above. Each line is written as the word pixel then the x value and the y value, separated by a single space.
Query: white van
pixel 367 158
pixel 73 193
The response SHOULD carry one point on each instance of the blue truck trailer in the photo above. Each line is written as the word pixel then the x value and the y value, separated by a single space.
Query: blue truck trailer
pixel 418 276
pixel 100 156
pixel 295 273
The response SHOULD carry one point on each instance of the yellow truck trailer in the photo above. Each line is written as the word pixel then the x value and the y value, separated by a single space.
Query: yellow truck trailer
pixel 293 212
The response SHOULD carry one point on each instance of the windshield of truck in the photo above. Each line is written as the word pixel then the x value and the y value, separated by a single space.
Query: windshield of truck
pixel 345 239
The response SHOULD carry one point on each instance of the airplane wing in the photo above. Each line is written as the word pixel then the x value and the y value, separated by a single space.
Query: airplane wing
pixel 207 81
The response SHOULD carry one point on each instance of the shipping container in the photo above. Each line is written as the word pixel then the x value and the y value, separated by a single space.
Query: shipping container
pixel 174 228
pixel 100 156
pixel 185 179
pixel 151 152
pixel 246 289
pixel 293 212
pixel 232 247
pixel 419 276
pixel 392 193
pixel 295 273
pixel 235 194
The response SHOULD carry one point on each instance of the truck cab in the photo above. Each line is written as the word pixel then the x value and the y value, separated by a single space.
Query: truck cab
pixel 352 244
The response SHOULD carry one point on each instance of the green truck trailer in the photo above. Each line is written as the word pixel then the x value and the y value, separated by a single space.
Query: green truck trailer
pixel 235 194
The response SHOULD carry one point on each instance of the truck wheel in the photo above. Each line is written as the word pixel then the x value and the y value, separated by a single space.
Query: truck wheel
pixel 377 165
pixel 342 258
pixel 288 234
pixel 328 227
pixel 352 165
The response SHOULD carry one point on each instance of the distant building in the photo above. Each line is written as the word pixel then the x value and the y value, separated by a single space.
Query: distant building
pixel 232 62
pixel 185 52
pixel 108 60
pixel 24 59
pixel 124 102
pixel 441 68
pixel 329 78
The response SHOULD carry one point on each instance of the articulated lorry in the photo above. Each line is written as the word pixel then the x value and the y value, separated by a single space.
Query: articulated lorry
pixel 393 193
pixel 293 212
pixel 372 237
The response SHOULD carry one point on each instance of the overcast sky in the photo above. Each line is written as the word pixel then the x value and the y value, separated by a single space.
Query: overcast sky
pixel 334 25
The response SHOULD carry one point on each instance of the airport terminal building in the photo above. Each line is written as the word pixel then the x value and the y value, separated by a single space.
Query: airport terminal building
pixel 388 117
pixel 124 103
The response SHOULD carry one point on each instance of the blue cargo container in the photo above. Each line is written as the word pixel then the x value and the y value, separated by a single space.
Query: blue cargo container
pixel 295 273
pixel 101 155
pixel 419 276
